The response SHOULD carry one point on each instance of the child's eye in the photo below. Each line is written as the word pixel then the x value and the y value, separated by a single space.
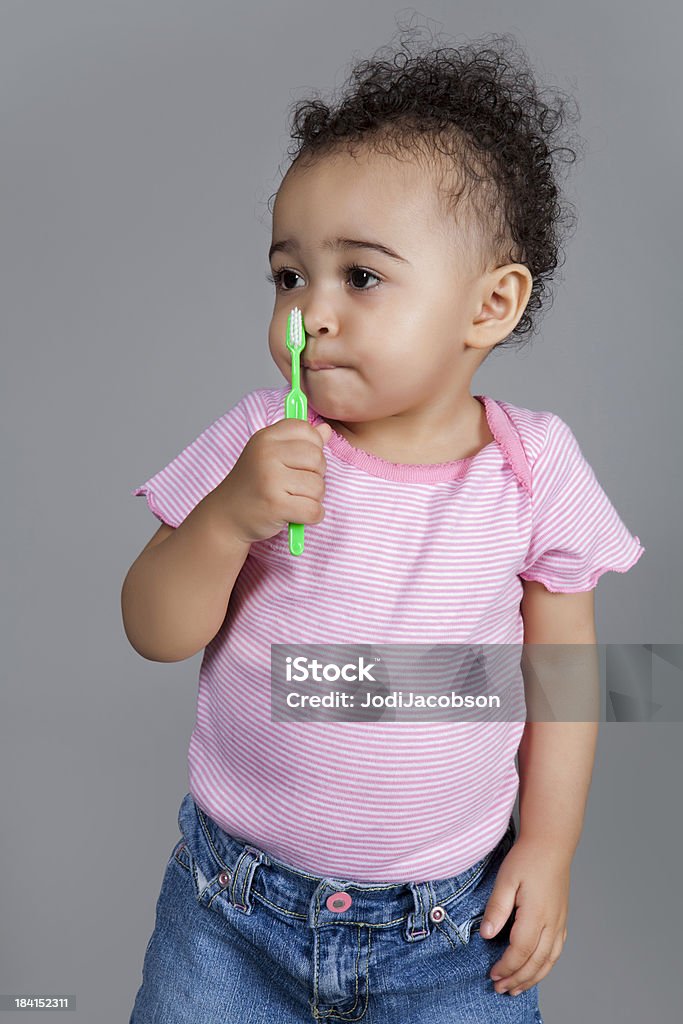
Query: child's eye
pixel 277 277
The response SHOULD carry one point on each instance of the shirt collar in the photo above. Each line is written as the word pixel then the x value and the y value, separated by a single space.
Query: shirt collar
pixel 505 434
pixel 509 441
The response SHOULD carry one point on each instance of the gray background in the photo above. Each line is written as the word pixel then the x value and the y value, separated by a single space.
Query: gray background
pixel 141 141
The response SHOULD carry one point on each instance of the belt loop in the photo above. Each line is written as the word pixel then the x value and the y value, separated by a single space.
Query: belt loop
pixel 417 926
pixel 239 892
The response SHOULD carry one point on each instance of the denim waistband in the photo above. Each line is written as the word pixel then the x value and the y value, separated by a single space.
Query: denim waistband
pixel 226 867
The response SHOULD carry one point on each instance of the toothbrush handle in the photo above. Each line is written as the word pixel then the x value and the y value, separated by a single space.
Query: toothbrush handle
pixel 296 407
pixel 296 538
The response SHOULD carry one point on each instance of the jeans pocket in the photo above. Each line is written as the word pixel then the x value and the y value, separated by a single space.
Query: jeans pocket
pixel 168 892
pixel 457 928
pixel 211 878
pixel 463 928
pixel 182 855
pixel 462 916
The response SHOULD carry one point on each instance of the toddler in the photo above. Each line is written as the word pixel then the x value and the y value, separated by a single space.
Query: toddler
pixel 352 870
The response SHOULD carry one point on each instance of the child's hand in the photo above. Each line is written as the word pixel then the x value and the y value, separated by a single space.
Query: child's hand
pixel 278 479
pixel 533 878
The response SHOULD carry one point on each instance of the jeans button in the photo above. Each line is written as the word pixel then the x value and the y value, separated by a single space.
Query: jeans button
pixel 338 901
pixel 437 914
pixel 224 878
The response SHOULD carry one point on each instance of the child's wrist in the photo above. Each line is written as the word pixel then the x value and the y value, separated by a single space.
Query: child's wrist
pixel 547 845
pixel 220 516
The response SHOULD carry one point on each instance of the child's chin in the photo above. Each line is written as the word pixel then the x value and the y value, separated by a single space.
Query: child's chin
pixel 331 394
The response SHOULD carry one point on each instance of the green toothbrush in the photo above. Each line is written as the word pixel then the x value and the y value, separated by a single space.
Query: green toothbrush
pixel 296 405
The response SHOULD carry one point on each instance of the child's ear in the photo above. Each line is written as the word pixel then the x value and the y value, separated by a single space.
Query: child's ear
pixel 503 297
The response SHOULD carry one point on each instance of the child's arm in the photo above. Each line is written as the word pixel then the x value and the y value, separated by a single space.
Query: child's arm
pixel 555 768
pixel 556 758
pixel 176 593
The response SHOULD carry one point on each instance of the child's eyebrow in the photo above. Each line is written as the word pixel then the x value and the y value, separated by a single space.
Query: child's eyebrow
pixel 291 245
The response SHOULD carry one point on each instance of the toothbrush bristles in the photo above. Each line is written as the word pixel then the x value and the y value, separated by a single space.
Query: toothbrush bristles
pixel 296 328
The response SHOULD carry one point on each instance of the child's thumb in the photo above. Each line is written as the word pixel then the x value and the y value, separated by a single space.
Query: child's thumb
pixel 498 909
pixel 325 431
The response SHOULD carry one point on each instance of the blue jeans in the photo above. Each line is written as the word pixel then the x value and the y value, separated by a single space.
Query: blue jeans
pixel 240 936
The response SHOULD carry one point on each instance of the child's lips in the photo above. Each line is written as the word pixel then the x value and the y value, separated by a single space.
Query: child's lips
pixel 322 366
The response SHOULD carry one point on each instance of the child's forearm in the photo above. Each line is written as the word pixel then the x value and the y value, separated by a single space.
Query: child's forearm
pixel 175 595
pixel 556 757
pixel 555 769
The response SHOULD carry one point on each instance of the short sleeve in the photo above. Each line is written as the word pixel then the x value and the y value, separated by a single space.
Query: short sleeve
pixel 577 534
pixel 176 489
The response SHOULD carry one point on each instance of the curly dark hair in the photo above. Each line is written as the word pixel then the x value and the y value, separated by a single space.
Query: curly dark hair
pixel 475 113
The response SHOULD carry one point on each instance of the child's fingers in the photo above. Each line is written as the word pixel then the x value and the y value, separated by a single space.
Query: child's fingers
pixel 553 957
pixel 536 961
pixel 525 936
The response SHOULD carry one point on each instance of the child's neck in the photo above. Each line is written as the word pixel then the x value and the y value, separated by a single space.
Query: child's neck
pixel 460 440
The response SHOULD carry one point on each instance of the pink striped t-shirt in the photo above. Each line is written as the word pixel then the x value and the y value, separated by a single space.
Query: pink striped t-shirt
pixel 406 554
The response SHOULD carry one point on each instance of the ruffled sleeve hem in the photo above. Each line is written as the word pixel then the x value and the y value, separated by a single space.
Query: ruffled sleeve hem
pixel 587 581
pixel 164 517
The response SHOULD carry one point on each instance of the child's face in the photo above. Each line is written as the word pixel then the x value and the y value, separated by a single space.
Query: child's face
pixel 404 333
